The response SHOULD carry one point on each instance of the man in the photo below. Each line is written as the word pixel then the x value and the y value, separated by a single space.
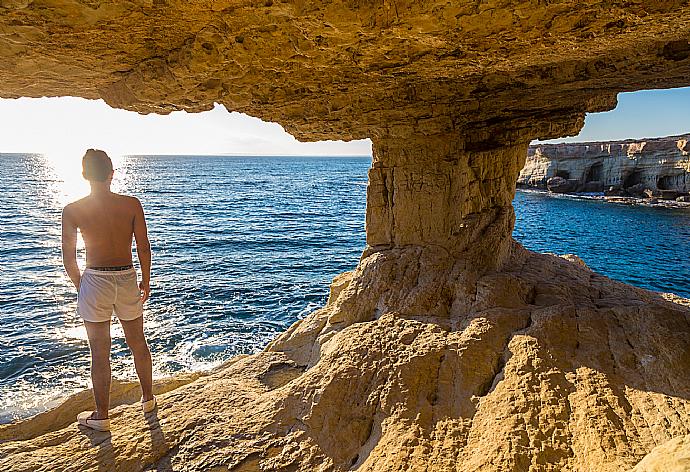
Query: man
pixel 108 285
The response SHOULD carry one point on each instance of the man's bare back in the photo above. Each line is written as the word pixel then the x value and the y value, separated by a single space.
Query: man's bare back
pixel 107 222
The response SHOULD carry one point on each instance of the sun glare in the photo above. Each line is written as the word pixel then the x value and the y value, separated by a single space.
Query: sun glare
pixel 66 126
pixel 71 186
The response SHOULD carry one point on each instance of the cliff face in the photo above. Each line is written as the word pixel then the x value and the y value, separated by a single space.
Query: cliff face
pixel 449 347
pixel 656 164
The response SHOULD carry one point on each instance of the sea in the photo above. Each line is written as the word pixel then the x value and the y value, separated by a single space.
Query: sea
pixel 243 247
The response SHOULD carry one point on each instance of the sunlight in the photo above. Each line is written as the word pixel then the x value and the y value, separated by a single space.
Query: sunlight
pixel 67 171
pixel 64 127
pixel 66 167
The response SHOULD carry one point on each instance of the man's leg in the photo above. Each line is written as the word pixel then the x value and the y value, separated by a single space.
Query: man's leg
pixel 99 342
pixel 134 335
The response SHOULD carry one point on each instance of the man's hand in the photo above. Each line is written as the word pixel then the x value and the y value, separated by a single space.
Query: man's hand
pixel 145 291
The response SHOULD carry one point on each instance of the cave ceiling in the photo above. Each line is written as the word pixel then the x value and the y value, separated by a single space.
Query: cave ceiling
pixel 351 69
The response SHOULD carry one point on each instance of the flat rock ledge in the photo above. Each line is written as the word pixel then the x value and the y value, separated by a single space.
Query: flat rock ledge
pixel 543 366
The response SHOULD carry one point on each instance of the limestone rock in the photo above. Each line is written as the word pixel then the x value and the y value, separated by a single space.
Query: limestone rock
pixel 669 194
pixel 449 347
pixel 339 284
pixel 546 366
pixel 121 393
pixel 346 70
pixel 574 258
pixel 560 185
pixel 661 166
pixel 672 456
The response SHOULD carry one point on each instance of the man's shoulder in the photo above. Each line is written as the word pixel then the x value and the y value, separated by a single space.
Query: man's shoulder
pixel 128 199
pixel 71 207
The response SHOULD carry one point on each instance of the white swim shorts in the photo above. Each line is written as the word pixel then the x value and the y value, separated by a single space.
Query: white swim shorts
pixel 102 293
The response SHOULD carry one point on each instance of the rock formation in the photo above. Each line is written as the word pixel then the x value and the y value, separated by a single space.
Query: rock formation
pixel 449 347
pixel 660 164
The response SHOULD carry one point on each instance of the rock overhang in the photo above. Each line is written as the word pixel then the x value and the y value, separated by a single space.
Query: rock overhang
pixel 447 328
pixel 503 71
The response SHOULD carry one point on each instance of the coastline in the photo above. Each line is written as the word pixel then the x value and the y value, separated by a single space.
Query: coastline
pixel 62 412
pixel 597 196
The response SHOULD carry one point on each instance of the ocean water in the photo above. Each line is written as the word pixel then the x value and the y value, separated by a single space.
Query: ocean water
pixel 243 247
pixel 641 245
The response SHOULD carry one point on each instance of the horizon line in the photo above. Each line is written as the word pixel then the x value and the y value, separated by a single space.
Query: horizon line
pixel 206 155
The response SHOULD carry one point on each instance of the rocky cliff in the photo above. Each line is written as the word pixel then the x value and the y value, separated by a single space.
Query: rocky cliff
pixel 449 347
pixel 656 164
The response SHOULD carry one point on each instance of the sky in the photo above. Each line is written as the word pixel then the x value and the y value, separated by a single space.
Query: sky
pixel 644 114
pixel 67 126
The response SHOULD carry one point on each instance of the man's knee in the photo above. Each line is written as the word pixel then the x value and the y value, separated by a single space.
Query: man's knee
pixel 137 343
pixel 100 355
pixel 100 347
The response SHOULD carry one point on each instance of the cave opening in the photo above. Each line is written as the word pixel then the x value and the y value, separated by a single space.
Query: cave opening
pixel 634 178
pixel 669 182
pixel 595 173
pixel 441 283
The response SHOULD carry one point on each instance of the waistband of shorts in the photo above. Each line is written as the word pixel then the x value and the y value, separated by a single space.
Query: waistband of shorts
pixel 110 270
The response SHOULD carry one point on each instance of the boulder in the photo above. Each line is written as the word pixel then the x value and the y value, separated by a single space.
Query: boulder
pixel 560 185
pixel 636 190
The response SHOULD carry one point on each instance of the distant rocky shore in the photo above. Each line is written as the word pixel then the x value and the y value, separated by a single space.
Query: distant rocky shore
pixel 654 171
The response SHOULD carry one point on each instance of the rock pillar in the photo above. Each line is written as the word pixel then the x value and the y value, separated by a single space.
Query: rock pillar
pixel 440 191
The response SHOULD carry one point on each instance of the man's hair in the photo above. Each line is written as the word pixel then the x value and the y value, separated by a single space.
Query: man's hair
pixel 96 165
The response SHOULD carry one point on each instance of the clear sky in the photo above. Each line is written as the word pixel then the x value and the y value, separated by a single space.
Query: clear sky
pixel 644 114
pixel 67 126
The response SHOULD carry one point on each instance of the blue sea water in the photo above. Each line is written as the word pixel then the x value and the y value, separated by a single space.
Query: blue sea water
pixel 243 247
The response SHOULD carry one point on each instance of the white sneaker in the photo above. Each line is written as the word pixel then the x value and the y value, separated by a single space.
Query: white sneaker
pixel 149 406
pixel 84 419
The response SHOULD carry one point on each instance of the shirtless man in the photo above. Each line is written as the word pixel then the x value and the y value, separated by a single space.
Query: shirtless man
pixel 108 285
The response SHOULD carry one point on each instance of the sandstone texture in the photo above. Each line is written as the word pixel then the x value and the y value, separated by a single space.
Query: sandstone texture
pixel 673 456
pixel 422 367
pixel 660 165
pixel 449 347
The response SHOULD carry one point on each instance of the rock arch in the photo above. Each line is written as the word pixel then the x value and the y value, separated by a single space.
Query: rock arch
pixel 449 346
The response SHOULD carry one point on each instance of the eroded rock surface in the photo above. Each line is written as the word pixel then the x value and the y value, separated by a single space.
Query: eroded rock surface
pixel 449 347
pixel 672 456
pixel 545 366
pixel 660 164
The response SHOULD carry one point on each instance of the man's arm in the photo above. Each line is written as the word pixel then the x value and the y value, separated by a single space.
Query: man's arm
pixel 69 246
pixel 143 250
